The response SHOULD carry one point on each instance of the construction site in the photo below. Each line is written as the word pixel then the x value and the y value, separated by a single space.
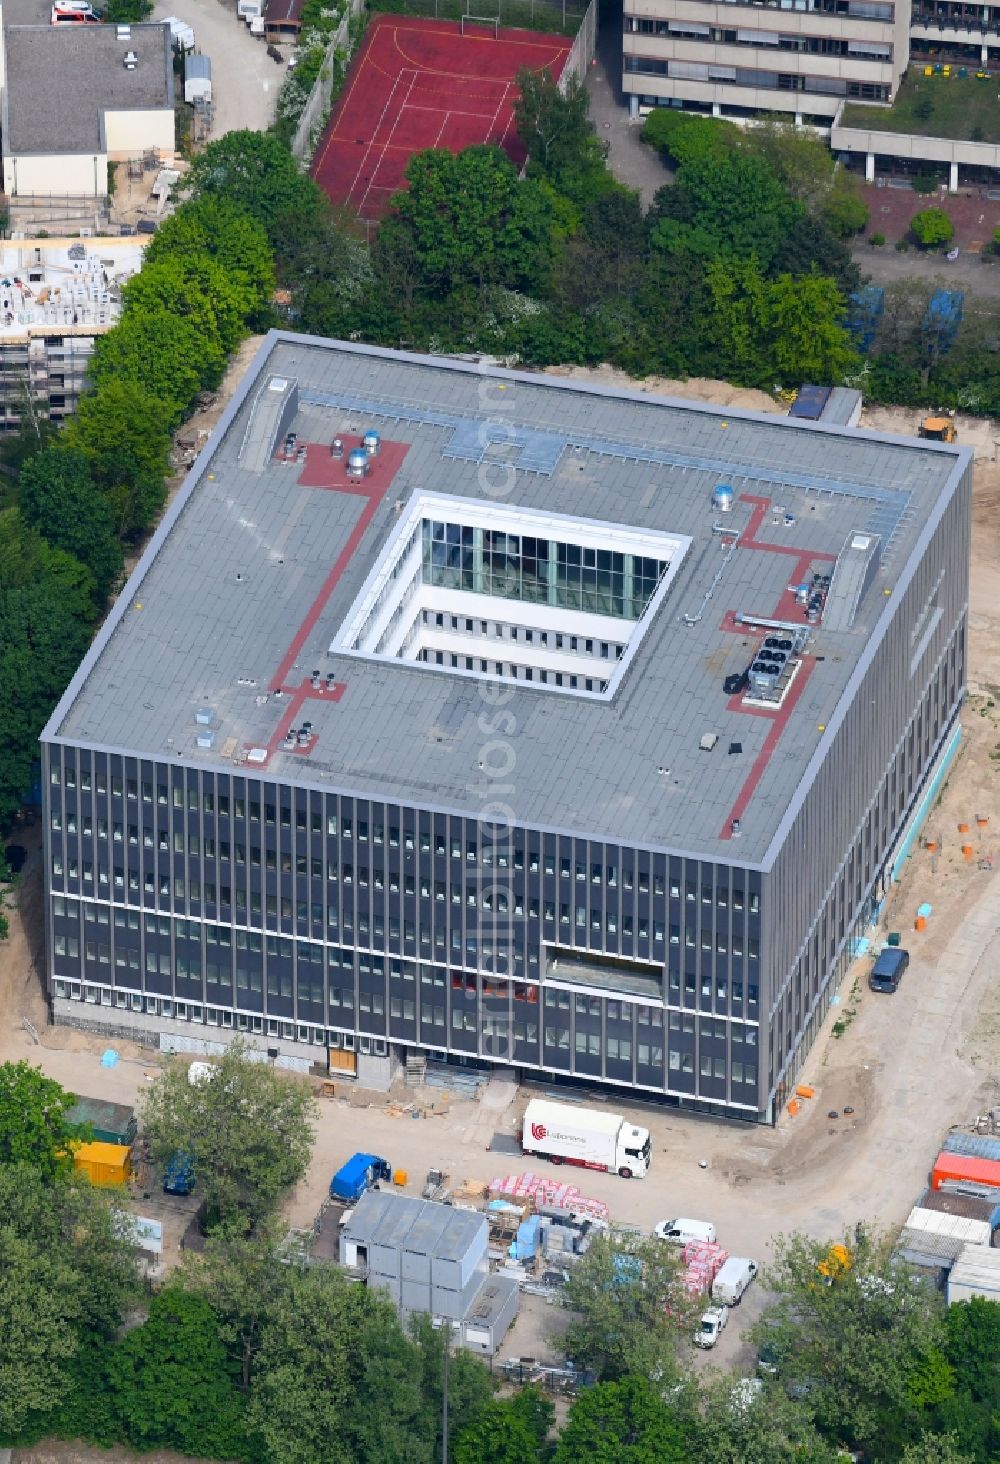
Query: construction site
pixel 886 1082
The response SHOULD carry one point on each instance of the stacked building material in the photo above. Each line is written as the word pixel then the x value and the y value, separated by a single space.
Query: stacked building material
pixel 702 1263
pixel 543 1191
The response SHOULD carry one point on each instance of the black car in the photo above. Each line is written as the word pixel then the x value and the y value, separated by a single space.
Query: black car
pixel 887 971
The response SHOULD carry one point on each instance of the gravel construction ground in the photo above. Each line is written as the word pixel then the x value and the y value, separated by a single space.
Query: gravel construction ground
pixel 908 1066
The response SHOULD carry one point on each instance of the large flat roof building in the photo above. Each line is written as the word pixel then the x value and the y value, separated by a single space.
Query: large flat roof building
pixel 564 727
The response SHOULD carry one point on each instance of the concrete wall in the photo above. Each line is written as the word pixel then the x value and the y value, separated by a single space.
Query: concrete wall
pixel 80 174
pixel 909 145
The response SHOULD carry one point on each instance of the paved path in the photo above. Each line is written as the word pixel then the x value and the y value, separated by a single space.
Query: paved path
pixel 632 163
pixel 245 81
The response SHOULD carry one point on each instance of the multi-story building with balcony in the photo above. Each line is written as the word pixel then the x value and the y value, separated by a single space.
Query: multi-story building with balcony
pixel 743 60
pixel 505 720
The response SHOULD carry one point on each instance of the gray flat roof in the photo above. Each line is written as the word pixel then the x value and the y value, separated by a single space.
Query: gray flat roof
pixel 424 1226
pixel 83 67
pixel 252 572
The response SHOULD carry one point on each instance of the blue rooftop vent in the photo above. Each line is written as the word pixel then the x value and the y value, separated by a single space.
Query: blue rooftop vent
pixel 722 497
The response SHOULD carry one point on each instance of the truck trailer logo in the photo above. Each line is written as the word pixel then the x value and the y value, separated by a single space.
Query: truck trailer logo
pixel 538 1130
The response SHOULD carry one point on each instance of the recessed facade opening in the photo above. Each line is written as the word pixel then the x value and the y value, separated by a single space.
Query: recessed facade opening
pixel 512 594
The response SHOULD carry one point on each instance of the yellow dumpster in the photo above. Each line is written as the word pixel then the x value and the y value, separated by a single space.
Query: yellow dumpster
pixel 103 1163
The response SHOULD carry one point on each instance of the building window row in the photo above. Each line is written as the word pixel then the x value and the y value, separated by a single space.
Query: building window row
pixel 684 30
pixel 752 77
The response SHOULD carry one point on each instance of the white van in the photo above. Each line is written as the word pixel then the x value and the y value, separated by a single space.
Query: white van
pixel 681 1231
pixel 732 1280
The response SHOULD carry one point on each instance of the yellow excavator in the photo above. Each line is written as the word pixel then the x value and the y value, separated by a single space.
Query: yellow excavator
pixel 938 429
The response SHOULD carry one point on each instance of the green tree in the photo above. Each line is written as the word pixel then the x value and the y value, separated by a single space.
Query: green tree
pixel 686 138
pixel 336 1378
pixel 508 1431
pixel 471 221
pixel 164 354
pixel 197 288
pixel 624 1422
pixel 33 1127
pixel 725 207
pixel 739 1426
pixel 808 341
pixel 629 1307
pixel 470 1387
pixel 171 1383
pixel 933 228
pixel 797 158
pixel 555 127
pixel 46 610
pixel 844 209
pixel 125 433
pixel 856 1347
pixel 936 1449
pixel 248 1131
pixel 127 12
pixel 256 172
pixel 58 498
pixel 66 1274
pixel 218 227
pixel 241 1276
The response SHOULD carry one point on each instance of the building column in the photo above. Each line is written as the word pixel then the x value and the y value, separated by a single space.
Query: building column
pixel 477 561
pixel 984 54
pixel 953 178
pixel 798 119
pixel 552 573
pixel 716 109
pixel 869 167
pixel 633 107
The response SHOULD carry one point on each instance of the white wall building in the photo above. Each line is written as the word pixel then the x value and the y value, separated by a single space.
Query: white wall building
pixel 74 98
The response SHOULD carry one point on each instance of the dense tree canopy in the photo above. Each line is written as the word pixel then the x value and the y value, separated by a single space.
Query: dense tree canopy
pixel 33 1127
pixel 60 501
pixel 65 1274
pixel 247 1130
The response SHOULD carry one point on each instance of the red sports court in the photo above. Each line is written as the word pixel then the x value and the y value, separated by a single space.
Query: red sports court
pixel 419 83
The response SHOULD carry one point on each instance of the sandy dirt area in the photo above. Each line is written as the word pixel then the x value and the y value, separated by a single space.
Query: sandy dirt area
pixel 908 1066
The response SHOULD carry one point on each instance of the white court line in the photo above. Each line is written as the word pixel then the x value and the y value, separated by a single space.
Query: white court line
pixel 444 123
pixel 385 145
pixel 364 156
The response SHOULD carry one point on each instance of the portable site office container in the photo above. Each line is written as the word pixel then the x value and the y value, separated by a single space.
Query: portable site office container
pixel 103 1163
pixel 982 1146
pixel 975 1273
pixel 965 1168
pixel 972 1207
pixel 110 1123
pixel 972 1232
pixel 490 1315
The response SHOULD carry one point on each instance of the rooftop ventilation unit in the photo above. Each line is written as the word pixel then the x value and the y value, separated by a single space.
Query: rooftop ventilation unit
pixel 371 442
pixel 722 497
pixel 130 60
pixel 357 463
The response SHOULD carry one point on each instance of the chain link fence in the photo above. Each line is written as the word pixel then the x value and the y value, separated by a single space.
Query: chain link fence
pixel 562 17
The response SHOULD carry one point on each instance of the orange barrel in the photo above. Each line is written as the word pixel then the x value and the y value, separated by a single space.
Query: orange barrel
pixel 932 845
pixel 920 923
pixel 804 1091
pixel 400 1178
pixel 963 828
pixel 794 1107
pixel 982 820
pixel 967 851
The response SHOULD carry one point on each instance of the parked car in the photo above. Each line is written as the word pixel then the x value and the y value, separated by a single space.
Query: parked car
pixel 888 969
pixel 681 1231
pixel 711 1325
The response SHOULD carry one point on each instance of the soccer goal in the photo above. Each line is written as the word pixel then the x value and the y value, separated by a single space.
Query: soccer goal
pixel 491 22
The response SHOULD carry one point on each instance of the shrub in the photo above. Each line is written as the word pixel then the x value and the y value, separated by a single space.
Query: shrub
pixel 877 241
pixel 933 228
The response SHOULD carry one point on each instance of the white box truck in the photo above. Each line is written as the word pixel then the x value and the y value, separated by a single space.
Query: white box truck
pixel 565 1134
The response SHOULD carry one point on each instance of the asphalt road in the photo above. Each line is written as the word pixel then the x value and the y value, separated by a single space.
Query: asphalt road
pixel 245 81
